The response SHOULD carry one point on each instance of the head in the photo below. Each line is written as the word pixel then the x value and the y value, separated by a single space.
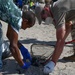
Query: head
pixel 28 19
pixel 46 15
pixel 43 14
pixel 47 2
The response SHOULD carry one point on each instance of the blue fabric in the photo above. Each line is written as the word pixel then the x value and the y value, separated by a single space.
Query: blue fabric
pixel 26 65
pixel 20 2
pixel 26 55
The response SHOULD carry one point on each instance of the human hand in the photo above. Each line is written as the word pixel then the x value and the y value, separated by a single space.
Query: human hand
pixel 49 67
pixel 26 55
pixel 26 65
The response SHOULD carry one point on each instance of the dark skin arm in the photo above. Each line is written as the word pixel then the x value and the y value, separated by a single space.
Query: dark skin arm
pixel 19 44
pixel 13 38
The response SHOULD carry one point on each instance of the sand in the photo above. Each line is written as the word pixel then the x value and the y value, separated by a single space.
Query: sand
pixel 38 34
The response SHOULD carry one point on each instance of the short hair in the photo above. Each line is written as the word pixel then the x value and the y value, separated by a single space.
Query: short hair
pixel 30 16
pixel 45 13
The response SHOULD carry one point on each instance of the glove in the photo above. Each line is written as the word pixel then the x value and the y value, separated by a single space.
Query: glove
pixel 26 65
pixel 48 68
pixel 26 55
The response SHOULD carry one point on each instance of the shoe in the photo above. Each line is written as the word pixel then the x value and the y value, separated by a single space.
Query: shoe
pixel 6 54
pixel 49 67
pixel 69 58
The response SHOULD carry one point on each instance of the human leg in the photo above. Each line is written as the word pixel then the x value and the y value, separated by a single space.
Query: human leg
pixel 73 36
pixel 72 57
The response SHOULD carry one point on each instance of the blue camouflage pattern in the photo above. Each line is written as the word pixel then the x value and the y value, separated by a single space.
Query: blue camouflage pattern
pixel 10 13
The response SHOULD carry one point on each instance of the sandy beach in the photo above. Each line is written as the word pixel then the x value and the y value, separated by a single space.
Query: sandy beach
pixel 38 34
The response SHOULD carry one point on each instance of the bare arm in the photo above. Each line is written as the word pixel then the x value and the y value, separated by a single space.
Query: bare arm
pixel 13 38
pixel 61 35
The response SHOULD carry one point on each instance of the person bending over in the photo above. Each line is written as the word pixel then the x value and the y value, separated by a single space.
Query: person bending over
pixel 60 13
pixel 16 20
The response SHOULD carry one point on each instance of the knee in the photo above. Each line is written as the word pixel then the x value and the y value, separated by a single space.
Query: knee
pixel 70 23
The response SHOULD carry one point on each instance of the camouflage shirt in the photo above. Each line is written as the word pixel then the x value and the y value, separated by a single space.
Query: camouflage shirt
pixel 10 13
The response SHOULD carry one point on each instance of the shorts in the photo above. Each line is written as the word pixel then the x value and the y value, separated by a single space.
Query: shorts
pixel 70 16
